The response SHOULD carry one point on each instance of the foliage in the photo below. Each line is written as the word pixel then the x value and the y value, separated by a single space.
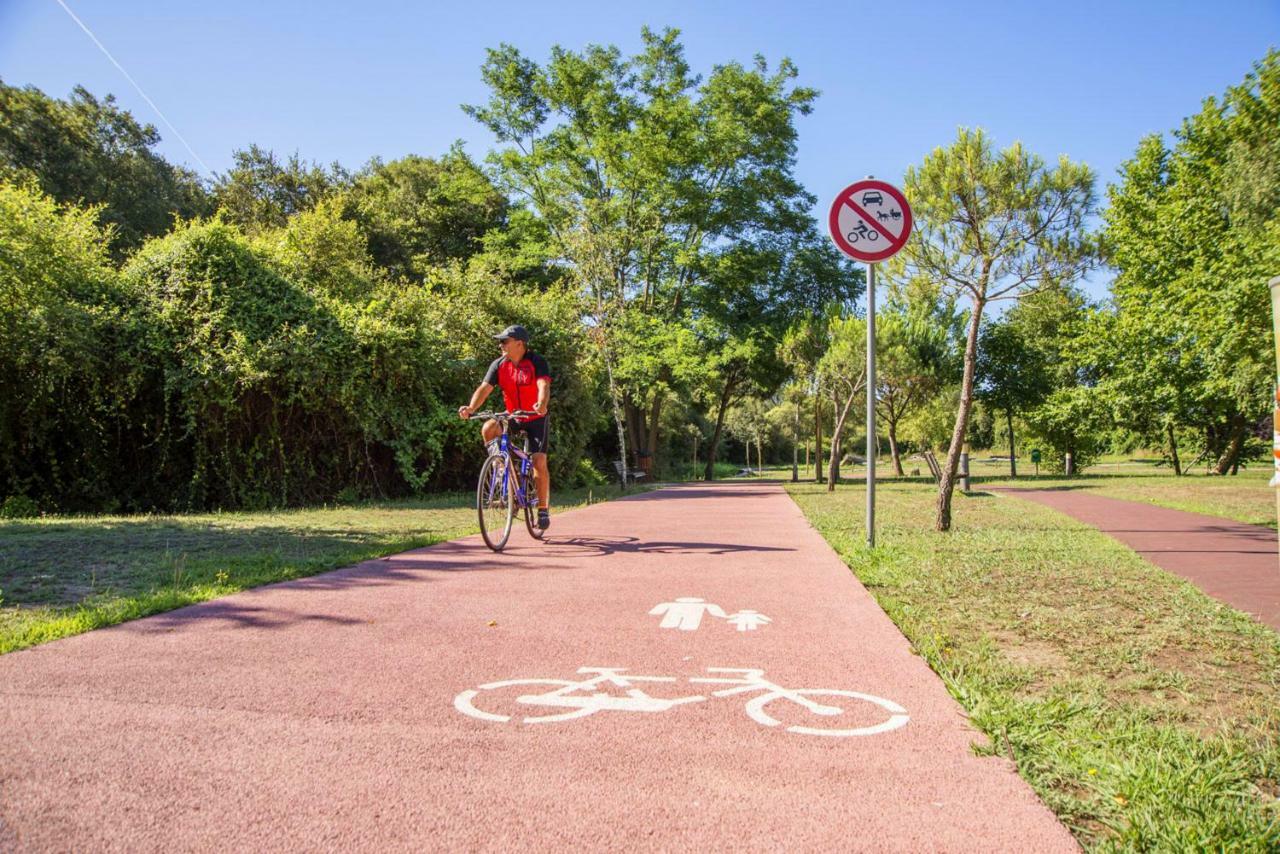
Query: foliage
pixel 89 152
pixel 659 188
pixel 18 507
pixel 261 192
pixel 419 213
pixel 62 381
pixel 1190 229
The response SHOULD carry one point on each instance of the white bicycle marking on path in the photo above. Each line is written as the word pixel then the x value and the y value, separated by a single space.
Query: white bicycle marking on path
pixel 686 613
pixel 584 697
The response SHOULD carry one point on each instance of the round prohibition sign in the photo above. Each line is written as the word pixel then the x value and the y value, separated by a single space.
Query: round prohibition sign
pixel 870 220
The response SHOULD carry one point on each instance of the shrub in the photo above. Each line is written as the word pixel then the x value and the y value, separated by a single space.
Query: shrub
pixel 19 507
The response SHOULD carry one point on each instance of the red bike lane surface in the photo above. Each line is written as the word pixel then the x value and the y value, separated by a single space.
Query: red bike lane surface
pixel 1230 561
pixel 350 710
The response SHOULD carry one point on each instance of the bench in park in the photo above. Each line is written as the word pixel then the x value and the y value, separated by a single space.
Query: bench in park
pixel 632 475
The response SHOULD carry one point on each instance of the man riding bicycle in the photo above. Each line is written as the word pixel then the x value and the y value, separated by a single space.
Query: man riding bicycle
pixel 525 381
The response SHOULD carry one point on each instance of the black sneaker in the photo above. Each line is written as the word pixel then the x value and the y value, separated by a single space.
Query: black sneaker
pixel 544 518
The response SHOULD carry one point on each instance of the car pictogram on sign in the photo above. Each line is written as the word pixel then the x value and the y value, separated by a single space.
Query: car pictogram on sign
pixel 872 198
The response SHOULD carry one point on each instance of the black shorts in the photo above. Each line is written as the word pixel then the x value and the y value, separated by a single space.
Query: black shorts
pixel 537 430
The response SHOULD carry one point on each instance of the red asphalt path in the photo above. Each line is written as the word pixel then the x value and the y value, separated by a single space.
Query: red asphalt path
pixel 324 713
pixel 1231 561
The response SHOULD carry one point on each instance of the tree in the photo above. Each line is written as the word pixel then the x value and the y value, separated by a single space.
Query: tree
pixel 842 373
pixel 1011 375
pixel 1199 291
pixel 914 359
pixel 89 152
pixel 655 180
pixel 748 422
pixel 992 225
pixel 420 212
pixel 260 192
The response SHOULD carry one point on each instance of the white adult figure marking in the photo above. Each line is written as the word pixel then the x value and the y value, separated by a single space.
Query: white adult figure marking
pixel 748 621
pixel 685 613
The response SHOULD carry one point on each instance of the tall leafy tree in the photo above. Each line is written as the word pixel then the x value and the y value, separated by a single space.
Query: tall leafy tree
pixel 261 191
pixel 1195 234
pixel 420 212
pixel 842 373
pixel 1012 375
pixel 993 225
pixel 87 151
pixel 650 177
pixel 915 358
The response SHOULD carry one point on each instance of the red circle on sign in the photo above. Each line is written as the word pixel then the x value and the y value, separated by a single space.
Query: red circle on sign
pixel 860 198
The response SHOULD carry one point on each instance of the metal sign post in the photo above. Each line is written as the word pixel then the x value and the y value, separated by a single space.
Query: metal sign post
pixel 872 445
pixel 870 221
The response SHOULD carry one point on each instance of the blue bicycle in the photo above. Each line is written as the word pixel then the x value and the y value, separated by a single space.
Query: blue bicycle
pixel 506 482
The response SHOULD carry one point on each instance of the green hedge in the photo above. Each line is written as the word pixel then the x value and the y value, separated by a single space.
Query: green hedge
pixel 218 372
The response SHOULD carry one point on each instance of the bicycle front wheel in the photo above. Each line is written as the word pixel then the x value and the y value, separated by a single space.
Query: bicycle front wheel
pixel 494 504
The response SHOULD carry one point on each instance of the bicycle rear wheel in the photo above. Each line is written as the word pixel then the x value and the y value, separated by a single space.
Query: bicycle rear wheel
pixel 494 503
pixel 531 508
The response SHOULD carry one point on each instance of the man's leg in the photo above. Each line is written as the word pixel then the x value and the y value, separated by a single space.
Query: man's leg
pixel 490 432
pixel 542 479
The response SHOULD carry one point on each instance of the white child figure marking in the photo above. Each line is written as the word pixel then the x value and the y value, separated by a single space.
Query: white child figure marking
pixel 748 621
pixel 685 613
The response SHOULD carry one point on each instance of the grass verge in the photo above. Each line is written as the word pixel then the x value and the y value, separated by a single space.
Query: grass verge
pixel 1144 713
pixel 61 576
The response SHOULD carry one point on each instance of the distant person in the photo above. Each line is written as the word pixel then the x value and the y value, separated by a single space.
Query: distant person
pixel 525 381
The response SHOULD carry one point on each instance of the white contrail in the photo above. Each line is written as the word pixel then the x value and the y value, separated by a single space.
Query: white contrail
pixel 107 53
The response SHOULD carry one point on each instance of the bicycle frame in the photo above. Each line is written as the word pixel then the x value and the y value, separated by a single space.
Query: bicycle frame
pixel 508 449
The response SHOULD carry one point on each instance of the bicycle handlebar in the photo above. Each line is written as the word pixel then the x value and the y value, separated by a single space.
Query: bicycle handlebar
pixel 503 416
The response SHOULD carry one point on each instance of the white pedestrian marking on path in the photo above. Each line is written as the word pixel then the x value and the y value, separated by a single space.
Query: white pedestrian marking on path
pixel 584 698
pixel 748 620
pixel 685 613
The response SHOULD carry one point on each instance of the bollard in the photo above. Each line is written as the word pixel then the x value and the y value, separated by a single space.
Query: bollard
pixel 964 471
pixel 1068 466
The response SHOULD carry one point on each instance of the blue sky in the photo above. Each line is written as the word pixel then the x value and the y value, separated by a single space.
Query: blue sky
pixel 347 81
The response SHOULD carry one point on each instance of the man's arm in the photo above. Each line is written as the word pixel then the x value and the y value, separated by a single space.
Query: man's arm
pixel 477 400
pixel 544 395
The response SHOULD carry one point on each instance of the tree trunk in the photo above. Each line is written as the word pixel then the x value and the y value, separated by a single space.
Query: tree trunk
pixel 655 413
pixel 817 438
pixel 795 449
pixel 836 432
pixel 617 416
pixel 835 444
pixel 893 448
pixel 1173 452
pixel 1013 454
pixel 715 437
pixel 1231 455
pixel 947 484
pixel 635 428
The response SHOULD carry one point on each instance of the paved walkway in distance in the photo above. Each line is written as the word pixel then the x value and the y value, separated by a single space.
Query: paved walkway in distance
pixel 1236 563
pixel 437 699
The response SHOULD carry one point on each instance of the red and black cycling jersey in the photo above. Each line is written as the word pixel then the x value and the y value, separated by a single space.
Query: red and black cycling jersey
pixel 518 380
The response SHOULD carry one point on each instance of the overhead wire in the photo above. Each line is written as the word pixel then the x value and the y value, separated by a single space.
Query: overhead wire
pixel 129 77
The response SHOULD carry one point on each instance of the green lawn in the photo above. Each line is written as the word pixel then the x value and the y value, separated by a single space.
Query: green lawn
pixel 1145 714
pixel 61 576
pixel 1244 497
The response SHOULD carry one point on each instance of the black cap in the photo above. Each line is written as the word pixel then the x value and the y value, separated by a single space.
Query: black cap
pixel 517 332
